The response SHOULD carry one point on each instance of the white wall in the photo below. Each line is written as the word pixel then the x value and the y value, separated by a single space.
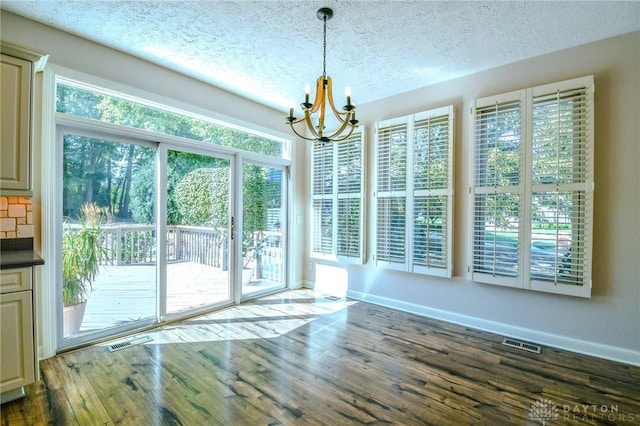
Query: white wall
pixel 607 324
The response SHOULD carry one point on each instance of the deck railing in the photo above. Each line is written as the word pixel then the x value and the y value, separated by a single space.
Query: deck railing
pixel 136 245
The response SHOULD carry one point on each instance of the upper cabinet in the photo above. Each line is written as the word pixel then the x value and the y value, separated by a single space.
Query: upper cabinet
pixel 17 78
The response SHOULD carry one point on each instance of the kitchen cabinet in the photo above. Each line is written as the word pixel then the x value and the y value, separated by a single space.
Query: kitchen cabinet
pixel 18 355
pixel 17 97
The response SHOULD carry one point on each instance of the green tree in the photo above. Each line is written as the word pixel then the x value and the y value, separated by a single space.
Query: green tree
pixel 202 197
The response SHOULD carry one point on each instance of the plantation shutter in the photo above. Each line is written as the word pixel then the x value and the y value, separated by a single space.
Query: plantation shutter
pixel 498 189
pixel 337 183
pixel 414 190
pixel 432 191
pixel 322 195
pixel 532 189
pixel 391 192
pixel 561 186
pixel 350 175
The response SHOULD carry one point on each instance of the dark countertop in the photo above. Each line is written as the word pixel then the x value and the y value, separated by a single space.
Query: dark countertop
pixel 18 253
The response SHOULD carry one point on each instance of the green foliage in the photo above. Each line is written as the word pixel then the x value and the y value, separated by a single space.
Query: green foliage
pixel 123 178
pixel 202 197
pixel 254 198
pixel 143 199
pixel 81 255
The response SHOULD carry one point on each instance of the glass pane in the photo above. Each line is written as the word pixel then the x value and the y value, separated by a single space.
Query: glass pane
pixel 495 245
pixel 322 168
pixel 197 231
pixel 497 147
pixel 349 173
pixel 392 159
pixel 263 216
pixel 559 138
pixel 557 236
pixel 82 102
pixel 391 228
pixel 430 231
pixel 348 227
pixel 108 253
pixel 322 226
pixel 430 152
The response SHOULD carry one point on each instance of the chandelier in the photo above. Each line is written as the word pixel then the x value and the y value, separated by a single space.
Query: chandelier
pixel 316 124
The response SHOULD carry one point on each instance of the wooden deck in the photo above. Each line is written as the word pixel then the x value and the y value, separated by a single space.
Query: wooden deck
pixel 296 358
pixel 122 294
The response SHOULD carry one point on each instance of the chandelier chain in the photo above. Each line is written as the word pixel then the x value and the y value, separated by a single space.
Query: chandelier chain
pixel 324 50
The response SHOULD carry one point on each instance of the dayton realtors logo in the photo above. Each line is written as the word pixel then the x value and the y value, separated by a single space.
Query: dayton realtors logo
pixel 543 411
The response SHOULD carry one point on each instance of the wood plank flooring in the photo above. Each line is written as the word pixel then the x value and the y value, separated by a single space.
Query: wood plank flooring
pixel 297 358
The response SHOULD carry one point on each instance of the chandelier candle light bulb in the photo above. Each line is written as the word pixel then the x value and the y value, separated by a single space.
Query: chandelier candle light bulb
pixel 346 118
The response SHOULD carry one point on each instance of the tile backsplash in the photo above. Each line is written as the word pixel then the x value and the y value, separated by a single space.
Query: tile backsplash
pixel 16 217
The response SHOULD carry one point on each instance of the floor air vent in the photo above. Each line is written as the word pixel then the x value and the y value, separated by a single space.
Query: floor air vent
pixel 530 347
pixel 128 343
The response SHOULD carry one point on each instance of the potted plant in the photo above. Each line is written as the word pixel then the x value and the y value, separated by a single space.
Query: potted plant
pixel 81 256
pixel 252 247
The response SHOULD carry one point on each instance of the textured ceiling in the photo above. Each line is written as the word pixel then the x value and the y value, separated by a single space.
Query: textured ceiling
pixel 268 50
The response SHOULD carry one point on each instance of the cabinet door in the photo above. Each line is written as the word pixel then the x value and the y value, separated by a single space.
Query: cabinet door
pixel 15 98
pixel 18 279
pixel 17 351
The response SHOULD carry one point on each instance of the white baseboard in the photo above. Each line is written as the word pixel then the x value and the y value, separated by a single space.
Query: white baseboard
pixel 301 284
pixel 613 353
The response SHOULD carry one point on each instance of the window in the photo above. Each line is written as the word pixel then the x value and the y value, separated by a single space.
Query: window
pixel 414 192
pixel 532 188
pixel 75 98
pixel 337 175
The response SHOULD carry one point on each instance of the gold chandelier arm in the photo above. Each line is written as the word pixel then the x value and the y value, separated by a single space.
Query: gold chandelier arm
pixel 298 134
pixel 310 126
pixel 319 95
pixel 344 124
pixel 340 139
pixel 336 112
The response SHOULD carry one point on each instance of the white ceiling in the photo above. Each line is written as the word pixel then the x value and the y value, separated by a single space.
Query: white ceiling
pixel 268 50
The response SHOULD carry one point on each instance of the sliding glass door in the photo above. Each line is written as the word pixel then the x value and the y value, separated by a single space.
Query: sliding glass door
pixel 263 228
pixel 119 270
pixel 108 248
pixel 198 222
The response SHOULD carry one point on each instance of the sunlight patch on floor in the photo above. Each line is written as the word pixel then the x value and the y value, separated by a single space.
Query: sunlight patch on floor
pixel 257 320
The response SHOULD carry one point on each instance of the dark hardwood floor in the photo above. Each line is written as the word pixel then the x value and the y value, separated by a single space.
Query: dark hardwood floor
pixel 298 359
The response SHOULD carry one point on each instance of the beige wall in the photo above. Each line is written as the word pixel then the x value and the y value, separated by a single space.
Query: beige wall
pixel 608 324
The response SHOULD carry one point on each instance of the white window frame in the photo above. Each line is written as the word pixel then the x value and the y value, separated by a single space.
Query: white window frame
pixel 52 179
pixel 409 195
pixel 334 197
pixel 526 190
